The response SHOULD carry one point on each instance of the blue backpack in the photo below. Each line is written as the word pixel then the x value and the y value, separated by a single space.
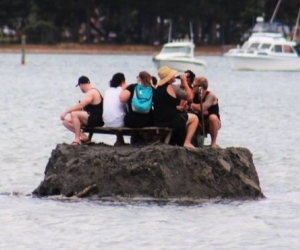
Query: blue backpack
pixel 142 99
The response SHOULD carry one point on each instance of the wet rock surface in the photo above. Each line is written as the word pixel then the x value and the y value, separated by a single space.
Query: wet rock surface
pixel 154 172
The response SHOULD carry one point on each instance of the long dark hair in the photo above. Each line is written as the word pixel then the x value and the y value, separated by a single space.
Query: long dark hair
pixel 117 80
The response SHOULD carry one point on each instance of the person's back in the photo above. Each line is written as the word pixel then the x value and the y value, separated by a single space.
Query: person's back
pixel 95 110
pixel 136 119
pixel 164 107
pixel 113 108
pixel 165 111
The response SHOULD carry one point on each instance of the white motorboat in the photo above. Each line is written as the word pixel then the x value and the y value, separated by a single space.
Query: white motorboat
pixel 267 49
pixel 179 55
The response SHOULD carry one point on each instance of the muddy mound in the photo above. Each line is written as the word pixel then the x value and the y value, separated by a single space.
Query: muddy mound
pixel 157 171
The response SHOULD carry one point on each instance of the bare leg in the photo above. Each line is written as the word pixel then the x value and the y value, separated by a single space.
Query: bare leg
pixel 69 125
pixel 78 118
pixel 191 127
pixel 213 127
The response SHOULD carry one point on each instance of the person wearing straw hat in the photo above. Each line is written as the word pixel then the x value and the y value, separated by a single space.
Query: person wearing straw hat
pixel 165 113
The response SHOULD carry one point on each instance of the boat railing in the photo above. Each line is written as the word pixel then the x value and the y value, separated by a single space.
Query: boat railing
pixel 181 40
pixel 270 35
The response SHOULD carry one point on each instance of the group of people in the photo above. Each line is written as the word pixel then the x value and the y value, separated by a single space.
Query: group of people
pixel 188 107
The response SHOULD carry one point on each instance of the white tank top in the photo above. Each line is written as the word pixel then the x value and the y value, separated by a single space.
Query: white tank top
pixel 113 108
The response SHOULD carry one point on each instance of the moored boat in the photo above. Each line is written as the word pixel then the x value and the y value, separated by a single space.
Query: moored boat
pixel 179 55
pixel 267 49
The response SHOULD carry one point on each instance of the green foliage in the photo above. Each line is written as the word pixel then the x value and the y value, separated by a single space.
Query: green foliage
pixel 40 32
pixel 139 21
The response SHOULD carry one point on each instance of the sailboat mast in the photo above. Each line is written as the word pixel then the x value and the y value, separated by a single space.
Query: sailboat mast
pixel 170 31
pixel 296 26
pixel 191 32
pixel 275 11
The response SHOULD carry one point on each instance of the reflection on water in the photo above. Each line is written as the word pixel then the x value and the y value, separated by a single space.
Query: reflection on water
pixel 259 111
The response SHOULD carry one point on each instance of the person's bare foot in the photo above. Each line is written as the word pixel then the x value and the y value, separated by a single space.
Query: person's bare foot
pixel 84 138
pixel 75 143
pixel 188 145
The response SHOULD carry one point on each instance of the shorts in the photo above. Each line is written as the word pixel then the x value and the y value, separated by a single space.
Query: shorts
pixel 179 125
pixel 95 120
pixel 179 121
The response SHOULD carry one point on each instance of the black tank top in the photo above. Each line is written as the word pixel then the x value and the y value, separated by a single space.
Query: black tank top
pixel 164 107
pixel 214 109
pixel 95 109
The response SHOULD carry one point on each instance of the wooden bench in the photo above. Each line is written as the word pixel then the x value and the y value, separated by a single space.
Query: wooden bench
pixel 164 133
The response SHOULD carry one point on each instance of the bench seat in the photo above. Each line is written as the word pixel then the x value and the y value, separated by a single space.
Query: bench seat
pixel 164 133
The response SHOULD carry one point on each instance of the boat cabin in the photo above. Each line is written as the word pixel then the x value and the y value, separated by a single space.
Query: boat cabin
pixel 269 45
pixel 178 49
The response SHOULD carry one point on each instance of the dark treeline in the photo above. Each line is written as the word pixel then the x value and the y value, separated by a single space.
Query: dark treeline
pixel 136 21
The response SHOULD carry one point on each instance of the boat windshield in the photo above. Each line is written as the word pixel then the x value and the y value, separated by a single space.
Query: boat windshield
pixel 177 49
pixel 265 46
pixel 253 46
pixel 245 46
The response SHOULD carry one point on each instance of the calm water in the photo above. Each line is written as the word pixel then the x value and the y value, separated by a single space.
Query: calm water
pixel 259 110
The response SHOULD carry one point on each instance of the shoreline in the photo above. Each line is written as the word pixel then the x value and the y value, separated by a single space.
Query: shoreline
pixel 74 48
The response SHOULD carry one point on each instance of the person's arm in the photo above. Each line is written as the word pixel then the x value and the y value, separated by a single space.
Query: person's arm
pixel 186 88
pixel 88 98
pixel 209 101
pixel 125 95
pixel 183 105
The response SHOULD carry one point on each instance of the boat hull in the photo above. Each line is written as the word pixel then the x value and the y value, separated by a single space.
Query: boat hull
pixel 182 64
pixel 263 63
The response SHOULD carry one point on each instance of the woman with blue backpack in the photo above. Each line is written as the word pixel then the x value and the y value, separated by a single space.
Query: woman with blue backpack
pixel 138 99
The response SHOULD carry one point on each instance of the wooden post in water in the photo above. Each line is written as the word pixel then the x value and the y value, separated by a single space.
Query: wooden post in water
pixel 23 42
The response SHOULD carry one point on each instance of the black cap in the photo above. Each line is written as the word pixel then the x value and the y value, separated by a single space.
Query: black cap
pixel 83 80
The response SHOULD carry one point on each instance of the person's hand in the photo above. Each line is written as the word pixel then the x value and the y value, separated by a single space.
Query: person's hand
pixel 183 79
pixel 193 106
pixel 186 106
pixel 181 108
pixel 63 115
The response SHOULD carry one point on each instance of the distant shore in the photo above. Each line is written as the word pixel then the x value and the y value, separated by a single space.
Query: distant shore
pixel 74 48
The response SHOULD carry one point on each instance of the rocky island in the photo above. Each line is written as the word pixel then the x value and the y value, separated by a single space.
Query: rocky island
pixel 153 172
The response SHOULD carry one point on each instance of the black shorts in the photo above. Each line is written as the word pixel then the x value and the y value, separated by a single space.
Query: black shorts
pixel 179 121
pixel 95 120
pixel 179 125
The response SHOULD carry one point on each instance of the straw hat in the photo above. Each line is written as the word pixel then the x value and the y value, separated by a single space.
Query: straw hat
pixel 165 74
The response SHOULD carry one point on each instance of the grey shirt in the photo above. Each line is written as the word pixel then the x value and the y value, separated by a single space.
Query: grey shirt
pixel 180 93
